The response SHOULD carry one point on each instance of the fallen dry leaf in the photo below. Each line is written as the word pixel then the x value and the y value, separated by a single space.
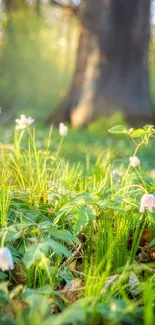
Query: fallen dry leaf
pixel 72 292
pixel 51 210
pixel 146 237
pixel 133 284
pixel 20 274
pixel 146 255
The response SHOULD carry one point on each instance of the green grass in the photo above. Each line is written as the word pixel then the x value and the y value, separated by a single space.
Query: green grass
pixel 68 221
pixel 66 218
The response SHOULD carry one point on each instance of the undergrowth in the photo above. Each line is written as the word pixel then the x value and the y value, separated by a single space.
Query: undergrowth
pixel 74 227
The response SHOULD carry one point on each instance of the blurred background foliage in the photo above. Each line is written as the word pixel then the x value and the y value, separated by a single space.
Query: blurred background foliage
pixel 38 45
pixel 37 53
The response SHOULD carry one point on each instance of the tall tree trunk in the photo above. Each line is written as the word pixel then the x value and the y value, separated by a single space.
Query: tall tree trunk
pixel 38 7
pixel 11 5
pixel 111 70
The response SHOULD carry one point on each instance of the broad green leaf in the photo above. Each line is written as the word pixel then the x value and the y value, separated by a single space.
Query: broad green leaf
pixel 64 235
pixel 148 127
pixel 4 293
pixel 10 233
pixel 130 130
pixel 35 251
pixel 75 313
pixel 66 274
pixel 83 215
pixel 118 129
pixel 145 138
pixel 137 133
pixel 45 290
pixel 30 295
pixel 79 199
pixel 38 303
pixel 112 204
pixel 152 243
pixel 58 248
pixel 3 276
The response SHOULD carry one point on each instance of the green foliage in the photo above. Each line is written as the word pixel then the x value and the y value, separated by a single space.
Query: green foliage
pixel 35 251
pixel 35 65
pixel 118 129
pixel 67 222
pixel 74 314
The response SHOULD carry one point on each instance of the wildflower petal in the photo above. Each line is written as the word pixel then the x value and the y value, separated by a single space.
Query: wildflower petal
pixel 63 129
pixel 134 161
pixel 147 202
pixel 6 261
pixel 23 122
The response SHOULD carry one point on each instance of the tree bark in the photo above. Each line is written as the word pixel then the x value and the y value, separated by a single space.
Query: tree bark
pixel 111 71
pixel 12 5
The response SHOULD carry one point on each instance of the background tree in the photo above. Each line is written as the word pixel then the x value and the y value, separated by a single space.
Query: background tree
pixel 111 71
pixel 11 5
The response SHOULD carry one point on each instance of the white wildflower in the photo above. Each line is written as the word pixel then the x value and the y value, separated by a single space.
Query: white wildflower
pixel 6 261
pixel 63 129
pixel 23 122
pixel 115 172
pixel 147 202
pixel 134 161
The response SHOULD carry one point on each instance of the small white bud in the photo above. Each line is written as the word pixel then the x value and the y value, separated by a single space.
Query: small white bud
pixel 134 161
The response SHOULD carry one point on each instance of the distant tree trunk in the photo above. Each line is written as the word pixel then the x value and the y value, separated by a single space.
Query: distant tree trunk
pixel 111 71
pixel 11 5
pixel 38 9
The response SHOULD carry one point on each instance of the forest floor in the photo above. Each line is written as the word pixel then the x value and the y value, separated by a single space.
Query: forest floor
pixel 83 252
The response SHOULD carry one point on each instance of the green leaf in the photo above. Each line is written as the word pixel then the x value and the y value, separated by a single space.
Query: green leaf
pixel 118 130
pixel 35 251
pixel 66 275
pixel 148 127
pixel 145 138
pixel 152 243
pixel 4 293
pixel 137 133
pixel 39 304
pixel 45 290
pixel 64 235
pixel 83 215
pixel 58 248
pixel 130 130
pixel 11 233
pixel 3 276
pixel 74 312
